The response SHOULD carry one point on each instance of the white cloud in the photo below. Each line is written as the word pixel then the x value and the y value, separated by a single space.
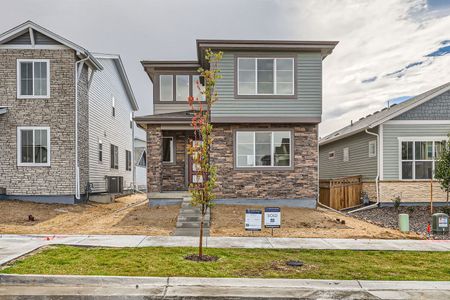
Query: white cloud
pixel 376 38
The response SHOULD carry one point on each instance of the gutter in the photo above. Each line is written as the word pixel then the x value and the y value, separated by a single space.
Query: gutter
pixel 376 179
pixel 77 167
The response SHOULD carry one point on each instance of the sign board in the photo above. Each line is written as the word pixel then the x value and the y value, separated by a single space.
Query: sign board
pixel 443 222
pixel 272 217
pixel 253 219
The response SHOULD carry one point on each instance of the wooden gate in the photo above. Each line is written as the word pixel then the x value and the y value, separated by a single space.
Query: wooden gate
pixel 341 193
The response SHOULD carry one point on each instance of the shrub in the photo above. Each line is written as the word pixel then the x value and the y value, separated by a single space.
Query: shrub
pixel 397 201
pixel 411 209
pixel 446 210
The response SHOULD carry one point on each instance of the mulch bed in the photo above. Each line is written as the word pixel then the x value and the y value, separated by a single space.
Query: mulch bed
pixel 205 258
pixel 419 217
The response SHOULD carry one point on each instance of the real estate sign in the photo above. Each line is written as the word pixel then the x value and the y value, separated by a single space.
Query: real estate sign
pixel 272 217
pixel 253 219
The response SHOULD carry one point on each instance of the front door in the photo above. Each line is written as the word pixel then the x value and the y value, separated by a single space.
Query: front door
pixel 194 175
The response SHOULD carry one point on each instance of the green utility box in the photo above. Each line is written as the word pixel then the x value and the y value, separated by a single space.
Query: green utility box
pixel 439 223
pixel 403 222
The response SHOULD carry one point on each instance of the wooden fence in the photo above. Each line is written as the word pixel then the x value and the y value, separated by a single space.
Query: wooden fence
pixel 341 193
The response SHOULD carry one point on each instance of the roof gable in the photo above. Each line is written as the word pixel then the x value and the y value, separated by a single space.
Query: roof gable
pixel 385 114
pixel 34 35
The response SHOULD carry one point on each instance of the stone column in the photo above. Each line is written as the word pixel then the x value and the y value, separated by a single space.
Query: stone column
pixel 154 159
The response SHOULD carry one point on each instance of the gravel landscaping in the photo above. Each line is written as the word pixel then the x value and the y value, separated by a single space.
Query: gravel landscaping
pixel 388 217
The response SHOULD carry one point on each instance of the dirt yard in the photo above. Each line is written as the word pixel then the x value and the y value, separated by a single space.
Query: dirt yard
pixel 227 220
pixel 128 215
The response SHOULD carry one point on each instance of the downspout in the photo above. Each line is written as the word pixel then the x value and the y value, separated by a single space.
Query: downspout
pixel 376 179
pixel 133 165
pixel 77 167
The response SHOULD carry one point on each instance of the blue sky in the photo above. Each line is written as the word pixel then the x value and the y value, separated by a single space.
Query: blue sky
pixel 388 48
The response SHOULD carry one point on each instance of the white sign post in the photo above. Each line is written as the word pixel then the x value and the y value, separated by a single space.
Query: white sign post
pixel 272 217
pixel 253 219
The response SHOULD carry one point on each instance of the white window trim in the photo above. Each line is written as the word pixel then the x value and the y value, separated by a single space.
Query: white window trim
pixel 18 85
pixel 417 139
pixel 160 89
pixel 274 76
pixel 171 150
pixel 19 147
pixel 331 155
pixel 345 158
pixel 272 150
pixel 374 144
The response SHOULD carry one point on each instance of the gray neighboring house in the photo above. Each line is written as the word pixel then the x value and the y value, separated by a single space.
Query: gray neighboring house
pixel 49 111
pixel 265 120
pixel 140 159
pixel 394 150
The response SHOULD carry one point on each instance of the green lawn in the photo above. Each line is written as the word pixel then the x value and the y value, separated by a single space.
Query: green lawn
pixel 266 263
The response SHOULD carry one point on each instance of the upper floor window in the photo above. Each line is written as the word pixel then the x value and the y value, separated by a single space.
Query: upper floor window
pixel 196 84
pixel 100 150
pixel 166 88
pixel 372 148
pixel 128 160
pixel 33 146
pixel 345 154
pixel 265 76
pixel 114 157
pixel 182 87
pixel 33 78
pixel 113 105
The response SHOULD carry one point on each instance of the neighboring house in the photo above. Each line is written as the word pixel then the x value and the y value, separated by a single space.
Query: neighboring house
pixel 48 115
pixel 394 150
pixel 265 120
pixel 140 163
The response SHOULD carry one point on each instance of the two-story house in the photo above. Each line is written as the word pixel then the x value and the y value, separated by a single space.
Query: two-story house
pixel 65 117
pixel 265 121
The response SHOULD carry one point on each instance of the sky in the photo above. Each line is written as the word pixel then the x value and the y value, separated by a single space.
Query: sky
pixel 389 50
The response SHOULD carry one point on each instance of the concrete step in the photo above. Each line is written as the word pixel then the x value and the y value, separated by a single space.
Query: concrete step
pixel 190 232
pixel 191 225
pixel 192 218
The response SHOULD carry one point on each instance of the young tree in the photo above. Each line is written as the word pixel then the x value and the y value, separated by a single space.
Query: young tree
pixel 442 172
pixel 202 190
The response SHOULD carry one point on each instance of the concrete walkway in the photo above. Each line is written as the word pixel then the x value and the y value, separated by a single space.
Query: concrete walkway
pixel 189 218
pixel 86 287
pixel 13 246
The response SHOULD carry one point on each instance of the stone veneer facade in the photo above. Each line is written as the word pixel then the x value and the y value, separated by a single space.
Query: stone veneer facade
pixel 300 182
pixel 56 112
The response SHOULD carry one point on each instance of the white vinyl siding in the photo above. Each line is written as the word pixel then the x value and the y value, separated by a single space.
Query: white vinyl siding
pixel 33 78
pixel 33 146
pixel 110 130
pixel 263 149
pixel 265 76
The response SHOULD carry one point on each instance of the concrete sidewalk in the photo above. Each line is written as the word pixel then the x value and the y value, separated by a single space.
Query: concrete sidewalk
pixel 85 287
pixel 13 246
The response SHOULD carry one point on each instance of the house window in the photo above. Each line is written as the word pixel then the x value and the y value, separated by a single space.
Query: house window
pixel 265 76
pixel 196 93
pixel 345 154
pixel 263 149
pixel 142 162
pixel 113 105
pixel 128 160
pixel 331 155
pixel 168 149
pixel 114 157
pixel 166 88
pixel 418 158
pixel 100 150
pixel 33 146
pixel 33 78
pixel 372 148
pixel 182 87
pixel 131 120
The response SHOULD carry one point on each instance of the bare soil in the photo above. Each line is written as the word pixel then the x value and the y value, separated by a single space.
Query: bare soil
pixel 228 220
pixel 128 215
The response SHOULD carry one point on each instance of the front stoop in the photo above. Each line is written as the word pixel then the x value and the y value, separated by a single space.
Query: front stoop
pixel 188 222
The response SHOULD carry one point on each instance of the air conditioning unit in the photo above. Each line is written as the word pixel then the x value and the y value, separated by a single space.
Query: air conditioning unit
pixel 115 184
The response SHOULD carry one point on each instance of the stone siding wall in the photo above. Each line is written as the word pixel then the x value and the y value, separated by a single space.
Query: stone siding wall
pixel 174 174
pixel 56 112
pixel 301 182
pixel 83 129
pixel 370 188
pixel 411 191
pixel 154 158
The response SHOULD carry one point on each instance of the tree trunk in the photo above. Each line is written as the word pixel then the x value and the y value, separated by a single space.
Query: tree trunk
pixel 447 197
pixel 200 245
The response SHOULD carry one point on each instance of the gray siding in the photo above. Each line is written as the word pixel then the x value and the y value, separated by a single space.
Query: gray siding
pixel 39 39
pixel 359 161
pixel 103 126
pixel 435 109
pixel 391 133
pixel 309 91
pixel 23 39
pixel 168 108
